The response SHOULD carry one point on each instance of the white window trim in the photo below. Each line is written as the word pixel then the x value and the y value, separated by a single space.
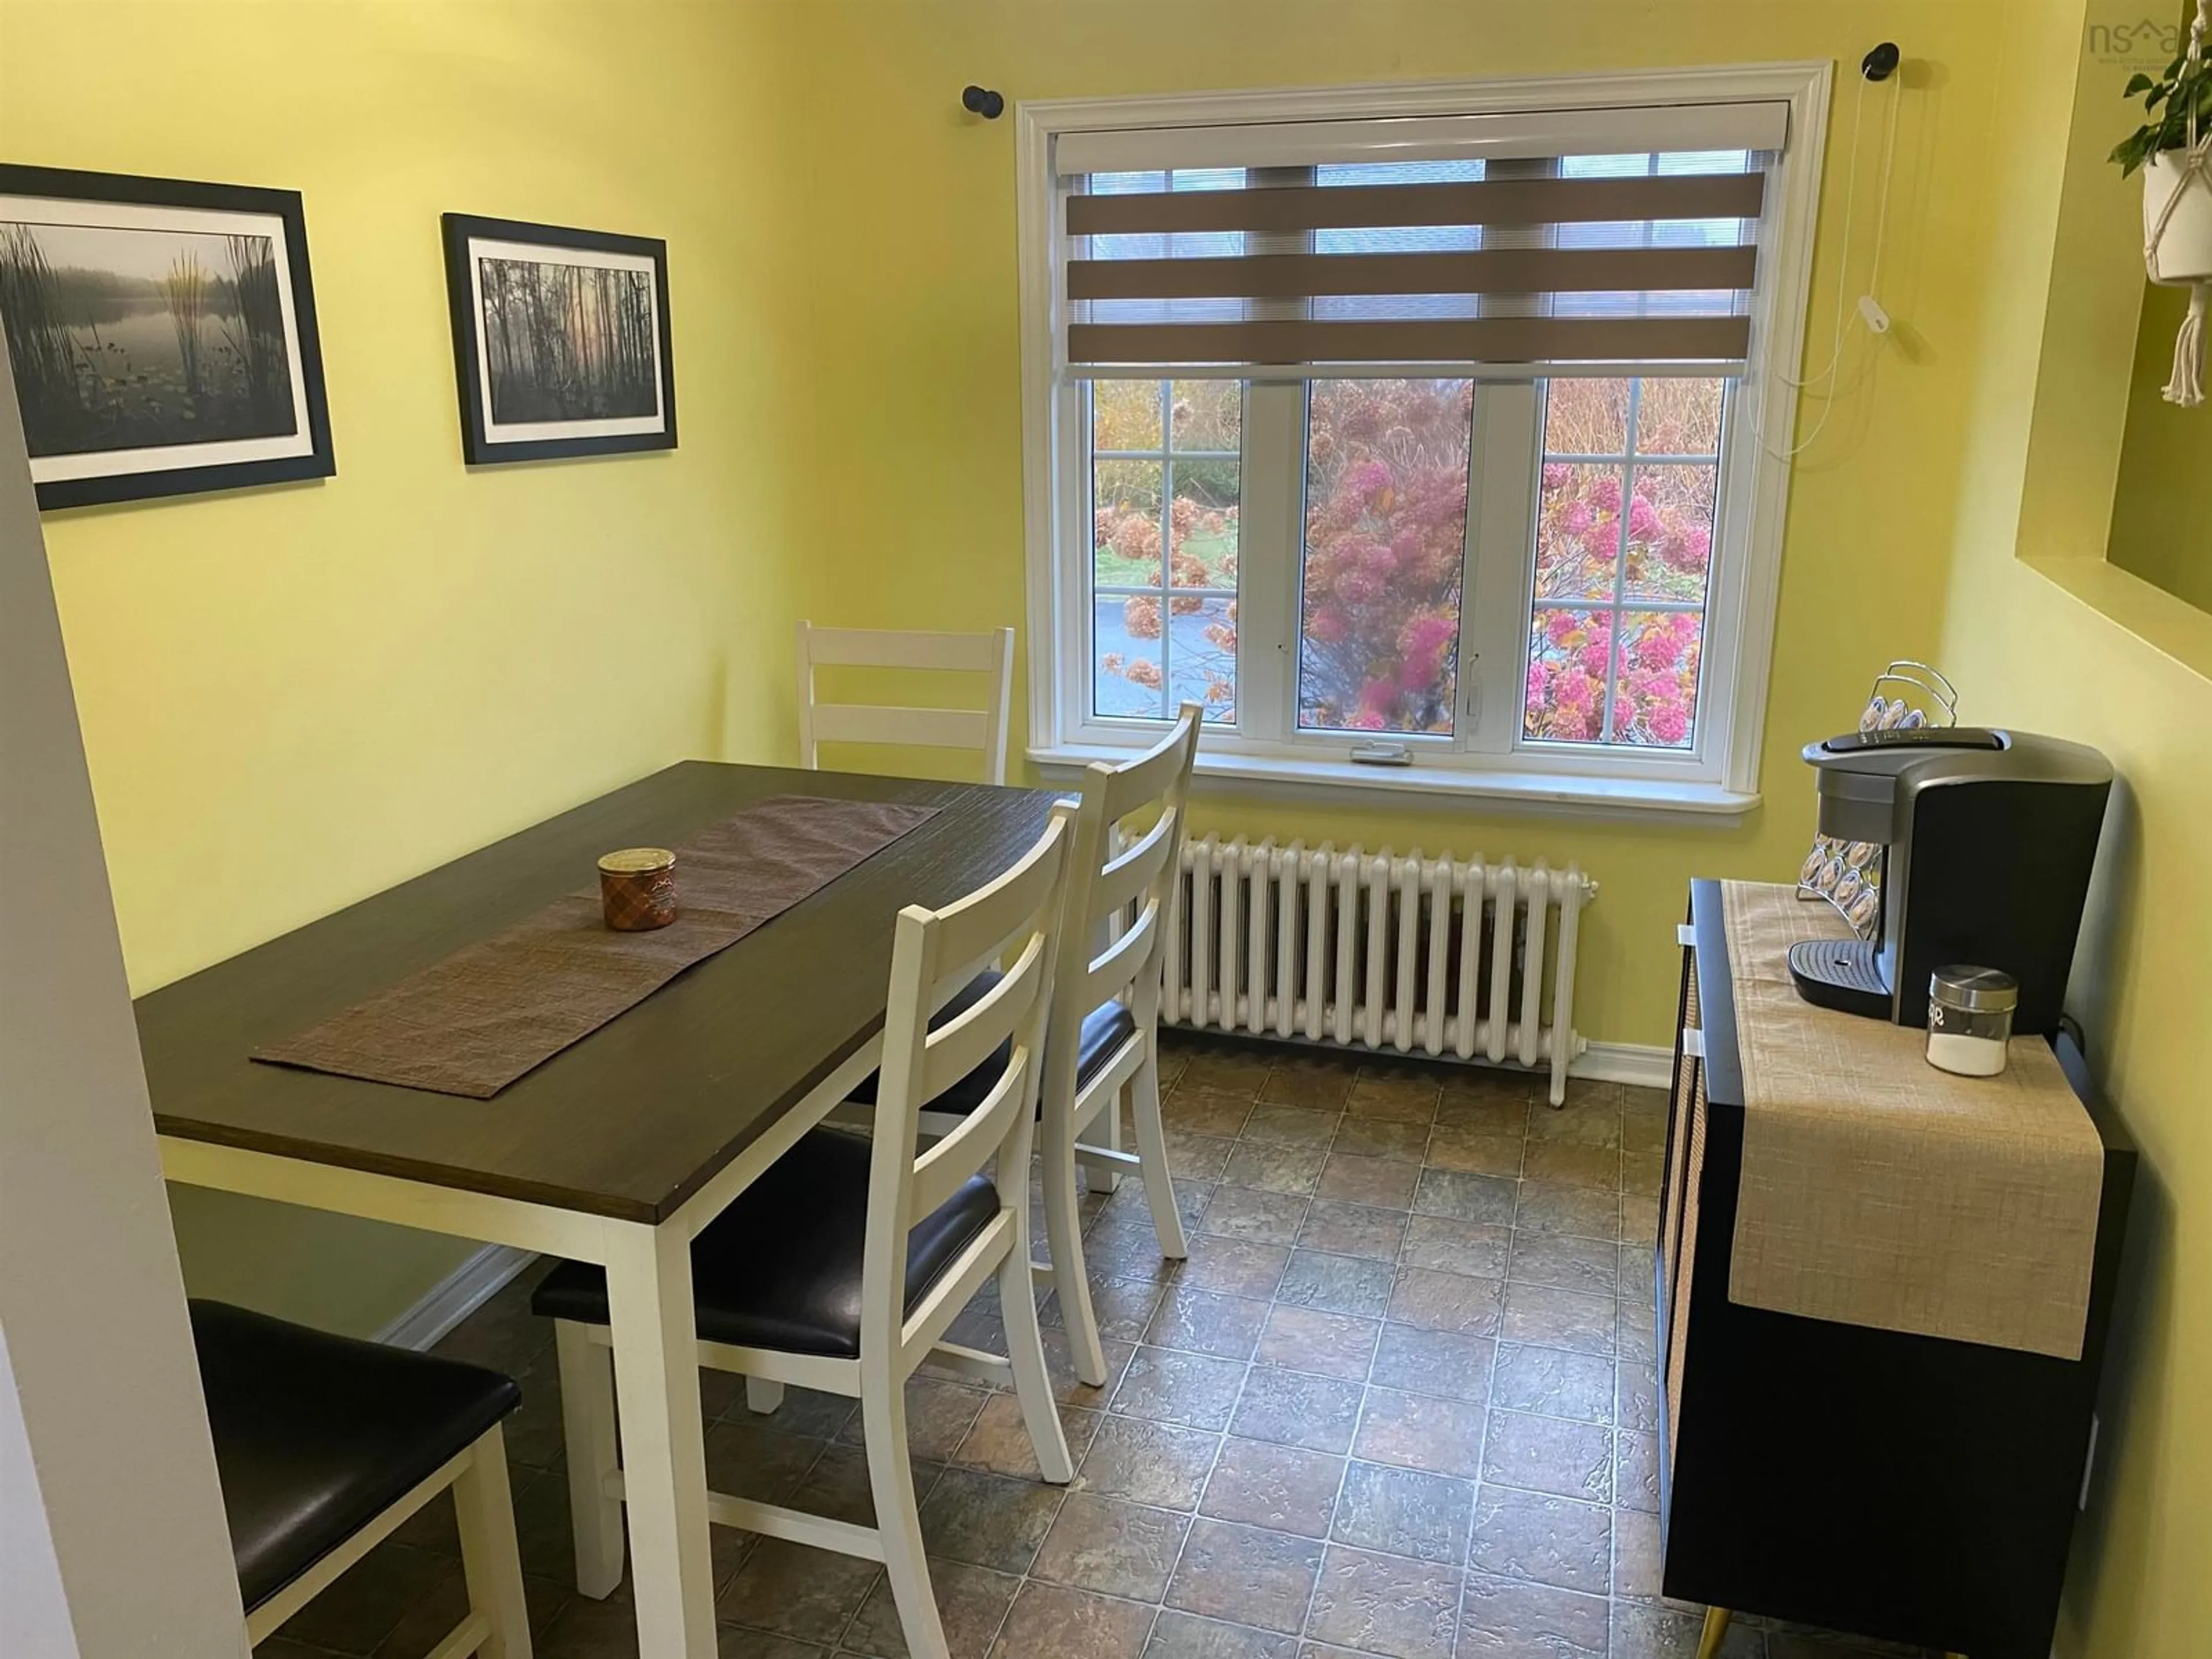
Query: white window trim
pixel 1740 611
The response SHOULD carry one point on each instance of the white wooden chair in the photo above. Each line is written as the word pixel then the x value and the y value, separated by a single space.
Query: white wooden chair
pixel 857 1255
pixel 1103 1037
pixel 983 731
pixel 325 1445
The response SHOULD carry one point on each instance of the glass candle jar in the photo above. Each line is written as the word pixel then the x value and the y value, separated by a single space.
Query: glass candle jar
pixel 1970 1019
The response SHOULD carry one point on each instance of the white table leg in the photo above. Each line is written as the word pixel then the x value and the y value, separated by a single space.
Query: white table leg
pixel 664 1445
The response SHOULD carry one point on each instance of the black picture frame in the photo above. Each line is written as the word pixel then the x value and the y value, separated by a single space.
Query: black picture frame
pixel 65 389
pixel 486 439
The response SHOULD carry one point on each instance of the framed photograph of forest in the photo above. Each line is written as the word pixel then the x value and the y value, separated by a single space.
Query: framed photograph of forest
pixel 560 340
pixel 162 333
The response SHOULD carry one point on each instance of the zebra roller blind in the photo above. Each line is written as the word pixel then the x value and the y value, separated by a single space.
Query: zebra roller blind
pixel 1562 242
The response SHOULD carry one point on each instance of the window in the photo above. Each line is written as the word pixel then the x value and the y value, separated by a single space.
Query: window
pixel 1421 429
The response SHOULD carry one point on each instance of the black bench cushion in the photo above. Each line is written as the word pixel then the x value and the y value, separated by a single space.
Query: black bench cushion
pixel 1105 1029
pixel 316 1435
pixel 781 1267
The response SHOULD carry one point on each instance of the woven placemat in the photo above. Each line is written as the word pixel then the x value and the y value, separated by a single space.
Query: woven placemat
pixel 475 1022
pixel 1877 1190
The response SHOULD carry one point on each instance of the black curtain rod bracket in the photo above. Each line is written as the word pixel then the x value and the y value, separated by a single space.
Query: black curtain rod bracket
pixel 982 100
pixel 1881 63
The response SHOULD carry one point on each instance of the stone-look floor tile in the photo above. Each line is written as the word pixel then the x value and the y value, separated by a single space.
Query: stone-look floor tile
pixel 1639 1218
pixel 1115 1548
pixel 1232 1068
pixel 1442 1363
pixel 796 1591
pixel 1405 1512
pixel 1452 1146
pixel 838 1486
pixel 1549 1454
pixel 1553 1382
pixel 1196 1156
pixel 938 1415
pixel 1284 1488
pixel 1196 1390
pixel 1300 1079
pixel 586 1629
pixel 1385 1604
pixel 1591 1117
pixel 985 1520
pixel 804 1412
pixel 1361 1229
pixel 1000 1443
pixel 1235 1265
pixel 1636 1396
pixel 1207 1321
pixel 1123 1307
pixel 1119 1249
pixel 1420 1432
pixel 1255 1215
pixel 1335 1284
pixel 357 1613
pixel 1549 1541
pixel 1548 1207
pixel 1132 1207
pixel 1274 1168
pixel 1198 1110
pixel 1508 1618
pixel 1569 1263
pixel 971 1605
pixel 1446 1301
pixel 1294 1408
pixel 1635 1332
pixel 1638 1274
pixel 1186 1635
pixel 1371 1137
pixel 1072 1624
pixel 1385 1182
pixel 1466 1197
pixel 1642 1173
pixel 1635 1471
pixel 1067 1389
pixel 1154 1463
pixel 1559 1319
pixel 1284 1125
pixel 1384 1097
pixel 735 1642
pixel 1571 1163
pixel 1643 1632
pixel 1636 1554
pixel 1244 1575
pixel 1496 1110
pixel 1476 1250
pixel 1644 1121
pixel 1309 1339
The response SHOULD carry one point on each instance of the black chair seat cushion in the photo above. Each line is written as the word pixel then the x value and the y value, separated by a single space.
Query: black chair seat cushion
pixel 781 1267
pixel 1105 1029
pixel 316 1435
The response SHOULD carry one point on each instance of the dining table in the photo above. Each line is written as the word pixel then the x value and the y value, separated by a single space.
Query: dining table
pixel 620 1148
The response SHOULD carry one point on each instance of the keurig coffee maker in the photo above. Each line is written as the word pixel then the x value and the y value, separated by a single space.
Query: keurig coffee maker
pixel 1990 836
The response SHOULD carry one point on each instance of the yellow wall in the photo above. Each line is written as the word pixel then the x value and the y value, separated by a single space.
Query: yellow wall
pixel 914 450
pixel 2162 513
pixel 2043 632
pixel 294 697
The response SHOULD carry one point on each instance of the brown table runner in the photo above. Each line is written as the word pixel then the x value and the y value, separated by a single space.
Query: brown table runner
pixel 474 1023
pixel 1877 1190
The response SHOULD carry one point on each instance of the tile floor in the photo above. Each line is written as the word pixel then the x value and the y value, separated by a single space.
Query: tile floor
pixel 1399 1402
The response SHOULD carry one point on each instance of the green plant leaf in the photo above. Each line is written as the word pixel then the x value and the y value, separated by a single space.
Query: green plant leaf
pixel 2139 83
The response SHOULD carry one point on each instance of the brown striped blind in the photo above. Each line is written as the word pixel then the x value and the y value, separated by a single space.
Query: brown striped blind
pixel 1642 263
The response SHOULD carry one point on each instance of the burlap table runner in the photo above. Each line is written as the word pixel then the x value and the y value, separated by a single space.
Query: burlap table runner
pixel 475 1022
pixel 1877 1190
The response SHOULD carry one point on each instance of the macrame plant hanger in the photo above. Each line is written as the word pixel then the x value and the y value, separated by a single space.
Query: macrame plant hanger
pixel 2193 165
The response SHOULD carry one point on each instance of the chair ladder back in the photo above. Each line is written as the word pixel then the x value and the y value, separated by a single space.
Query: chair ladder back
pixel 982 732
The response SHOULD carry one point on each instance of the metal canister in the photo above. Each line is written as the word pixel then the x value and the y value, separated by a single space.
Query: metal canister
pixel 637 889
pixel 1970 1018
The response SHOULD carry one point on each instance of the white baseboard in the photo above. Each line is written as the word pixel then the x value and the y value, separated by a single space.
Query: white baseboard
pixel 464 1290
pixel 1638 1063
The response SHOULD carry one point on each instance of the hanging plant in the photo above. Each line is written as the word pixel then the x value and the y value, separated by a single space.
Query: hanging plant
pixel 2173 148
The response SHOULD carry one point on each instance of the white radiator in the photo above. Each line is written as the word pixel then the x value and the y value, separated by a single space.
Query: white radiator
pixel 1444 958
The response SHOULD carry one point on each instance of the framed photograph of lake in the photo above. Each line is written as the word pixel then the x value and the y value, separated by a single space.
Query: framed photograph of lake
pixel 162 333
pixel 560 340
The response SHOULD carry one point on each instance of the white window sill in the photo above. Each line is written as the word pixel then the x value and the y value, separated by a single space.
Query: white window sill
pixel 1554 792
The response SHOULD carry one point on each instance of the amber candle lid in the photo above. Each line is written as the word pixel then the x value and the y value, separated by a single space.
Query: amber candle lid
pixel 637 860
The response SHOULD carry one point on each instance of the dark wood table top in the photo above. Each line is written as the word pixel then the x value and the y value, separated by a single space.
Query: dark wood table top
pixel 631 1121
